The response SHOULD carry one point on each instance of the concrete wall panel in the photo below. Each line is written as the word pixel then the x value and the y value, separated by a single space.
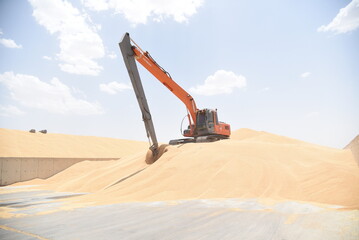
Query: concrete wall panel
pixel 61 164
pixel 0 170
pixel 74 161
pixel 46 168
pixel 14 170
pixel 11 171
pixel 29 169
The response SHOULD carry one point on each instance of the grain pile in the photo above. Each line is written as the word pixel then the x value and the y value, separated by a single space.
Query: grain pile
pixel 16 143
pixel 251 164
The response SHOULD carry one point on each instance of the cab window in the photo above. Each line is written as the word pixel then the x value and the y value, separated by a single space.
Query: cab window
pixel 201 118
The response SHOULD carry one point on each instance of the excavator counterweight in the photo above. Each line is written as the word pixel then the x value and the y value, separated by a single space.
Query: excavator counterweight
pixel 204 125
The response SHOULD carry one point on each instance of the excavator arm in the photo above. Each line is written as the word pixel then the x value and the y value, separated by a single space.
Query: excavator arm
pixel 128 57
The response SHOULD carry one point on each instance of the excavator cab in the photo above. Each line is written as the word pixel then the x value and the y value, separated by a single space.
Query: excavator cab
pixel 207 124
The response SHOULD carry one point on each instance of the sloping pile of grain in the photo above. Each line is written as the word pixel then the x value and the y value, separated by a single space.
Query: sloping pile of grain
pixel 250 165
pixel 16 143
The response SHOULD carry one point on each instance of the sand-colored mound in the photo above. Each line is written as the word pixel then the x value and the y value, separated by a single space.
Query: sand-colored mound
pixel 92 176
pixel 250 165
pixel 16 143
pixel 261 136
pixel 245 168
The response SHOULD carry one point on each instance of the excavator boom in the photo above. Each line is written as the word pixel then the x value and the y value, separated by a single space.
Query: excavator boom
pixel 151 65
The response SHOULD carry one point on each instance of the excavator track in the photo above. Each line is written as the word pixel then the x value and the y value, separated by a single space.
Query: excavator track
pixel 201 139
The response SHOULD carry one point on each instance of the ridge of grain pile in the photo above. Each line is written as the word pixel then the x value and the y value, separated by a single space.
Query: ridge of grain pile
pixel 251 164
pixel 17 143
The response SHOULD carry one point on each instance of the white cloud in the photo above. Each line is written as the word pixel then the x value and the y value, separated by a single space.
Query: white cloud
pixel 112 55
pixel 47 58
pixel 54 97
pixel 305 74
pixel 10 111
pixel 114 87
pixel 80 45
pixel 138 11
pixel 221 82
pixel 9 43
pixel 346 20
pixel 96 5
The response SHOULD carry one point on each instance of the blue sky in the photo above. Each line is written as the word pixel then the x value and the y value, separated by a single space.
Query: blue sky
pixel 286 67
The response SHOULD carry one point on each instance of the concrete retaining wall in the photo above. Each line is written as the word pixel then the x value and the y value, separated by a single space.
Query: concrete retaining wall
pixel 13 169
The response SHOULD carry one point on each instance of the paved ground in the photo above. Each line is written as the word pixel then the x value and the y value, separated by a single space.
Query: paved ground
pixel 192 219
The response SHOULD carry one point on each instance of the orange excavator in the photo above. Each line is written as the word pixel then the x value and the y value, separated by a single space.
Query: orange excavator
pixel 204 125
